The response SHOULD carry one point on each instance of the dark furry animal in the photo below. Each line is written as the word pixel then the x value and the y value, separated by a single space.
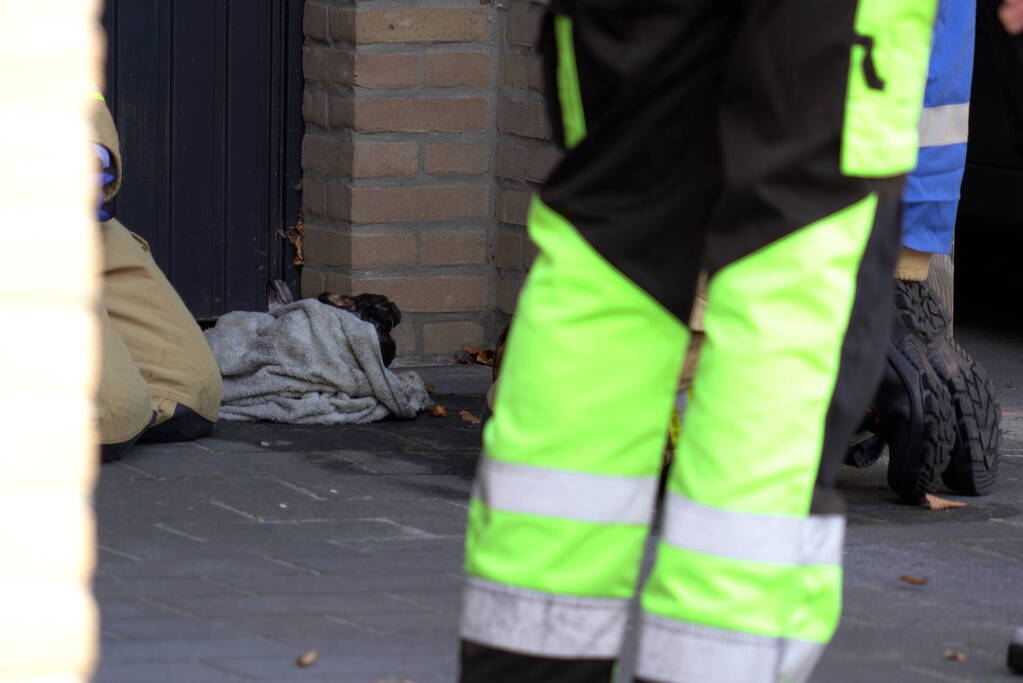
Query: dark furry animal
pixel 376 309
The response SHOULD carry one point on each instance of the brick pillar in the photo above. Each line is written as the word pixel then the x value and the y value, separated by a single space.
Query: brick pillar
pixel 398 163
pixel 524 154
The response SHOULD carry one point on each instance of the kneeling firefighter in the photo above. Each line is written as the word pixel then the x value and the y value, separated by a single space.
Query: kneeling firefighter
pixel 159 380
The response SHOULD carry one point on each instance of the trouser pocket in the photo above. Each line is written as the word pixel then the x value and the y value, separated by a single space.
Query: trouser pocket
pixel 887 75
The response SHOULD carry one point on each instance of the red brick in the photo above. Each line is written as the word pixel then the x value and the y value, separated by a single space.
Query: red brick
pixel 540 161
pixel 525 118
pixel 451 248
pixel 326 246
pixel 508 249
pixel 451 337
pixel 449 69
pixel 452 158
pixel 336 283
pixel 512 206
pixel 420 26
pixel 314 198
pixel 507 292
pixel 342 111
pixel 327 65
pixel 327 155
pixel 316 21
pixel 383 204
pixel 537 74
pixel 342 25
pixel 383 250
pixel 522 26
pixel 429 294
pixel 421 115
pixel 386 70
pixel 315 109
pixel 384 159
pixel 515 71
pixel 404 336
pixel 339 201
pixel 510 161
pixel 312 282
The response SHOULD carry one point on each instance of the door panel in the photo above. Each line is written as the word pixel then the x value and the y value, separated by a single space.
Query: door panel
pixel 207 99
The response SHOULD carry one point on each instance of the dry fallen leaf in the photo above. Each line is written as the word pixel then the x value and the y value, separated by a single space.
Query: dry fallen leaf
pixel 914 580
pixel 955 655
pixel 936 503
pixel 296 235
pixel 469 417
pixel 472 354
pixel 437 411
pixel 430 388
pixel 308 659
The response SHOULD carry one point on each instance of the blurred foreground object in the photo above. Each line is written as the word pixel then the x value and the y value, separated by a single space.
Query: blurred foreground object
pixel 49 58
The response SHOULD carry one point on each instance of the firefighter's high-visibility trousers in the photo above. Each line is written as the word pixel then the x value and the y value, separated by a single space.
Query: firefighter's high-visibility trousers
pixel 764 141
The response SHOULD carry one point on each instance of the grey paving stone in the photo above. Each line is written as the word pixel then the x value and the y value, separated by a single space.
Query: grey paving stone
pixel 189 650
pixel 117 589
pixel 145 672
pixel 236 590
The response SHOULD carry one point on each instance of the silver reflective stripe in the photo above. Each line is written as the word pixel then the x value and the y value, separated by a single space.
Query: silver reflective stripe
pixel 816 539
pixel 945 125
pixel 561 493
pixel 542 624
pixel 678 652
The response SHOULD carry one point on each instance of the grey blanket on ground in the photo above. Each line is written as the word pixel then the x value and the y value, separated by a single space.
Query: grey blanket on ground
pixel 308 363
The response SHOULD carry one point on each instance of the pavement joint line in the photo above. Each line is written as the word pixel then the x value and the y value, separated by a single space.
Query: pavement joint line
pixel 291 565
pixel 1010 522
pixel 411 530
pixel 139 470
pixel 457 504
pixel 414 603
pixel 177 532
pixel 223 669
pixel 353 624
pixel 167 608
pixel 244 591
pixel 293 522
pixel 936 675
pixel 981 551
pixel 362 466
pixel 119 553
pixel 295 487
pixel 229 508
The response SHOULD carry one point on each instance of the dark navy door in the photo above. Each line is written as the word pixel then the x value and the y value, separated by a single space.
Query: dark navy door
pixel 207 99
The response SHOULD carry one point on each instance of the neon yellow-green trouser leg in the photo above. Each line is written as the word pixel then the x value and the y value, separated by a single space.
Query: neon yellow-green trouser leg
pixel 746 584
pixel 560 513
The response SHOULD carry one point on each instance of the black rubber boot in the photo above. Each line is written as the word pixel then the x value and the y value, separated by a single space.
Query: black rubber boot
pixel 973 469
pixel 1014 659
pixel 915 409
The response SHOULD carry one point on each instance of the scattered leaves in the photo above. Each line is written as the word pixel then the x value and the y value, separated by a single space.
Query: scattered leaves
pixel 955 655
pixel 936 503
pixel 914 580
pixel 472 354
pixel 437 410
pixel 307 659
pixel 469 417
pixel 296 235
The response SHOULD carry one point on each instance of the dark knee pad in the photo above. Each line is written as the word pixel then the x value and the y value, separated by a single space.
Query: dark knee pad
pixel 184 425
pixel 115 451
